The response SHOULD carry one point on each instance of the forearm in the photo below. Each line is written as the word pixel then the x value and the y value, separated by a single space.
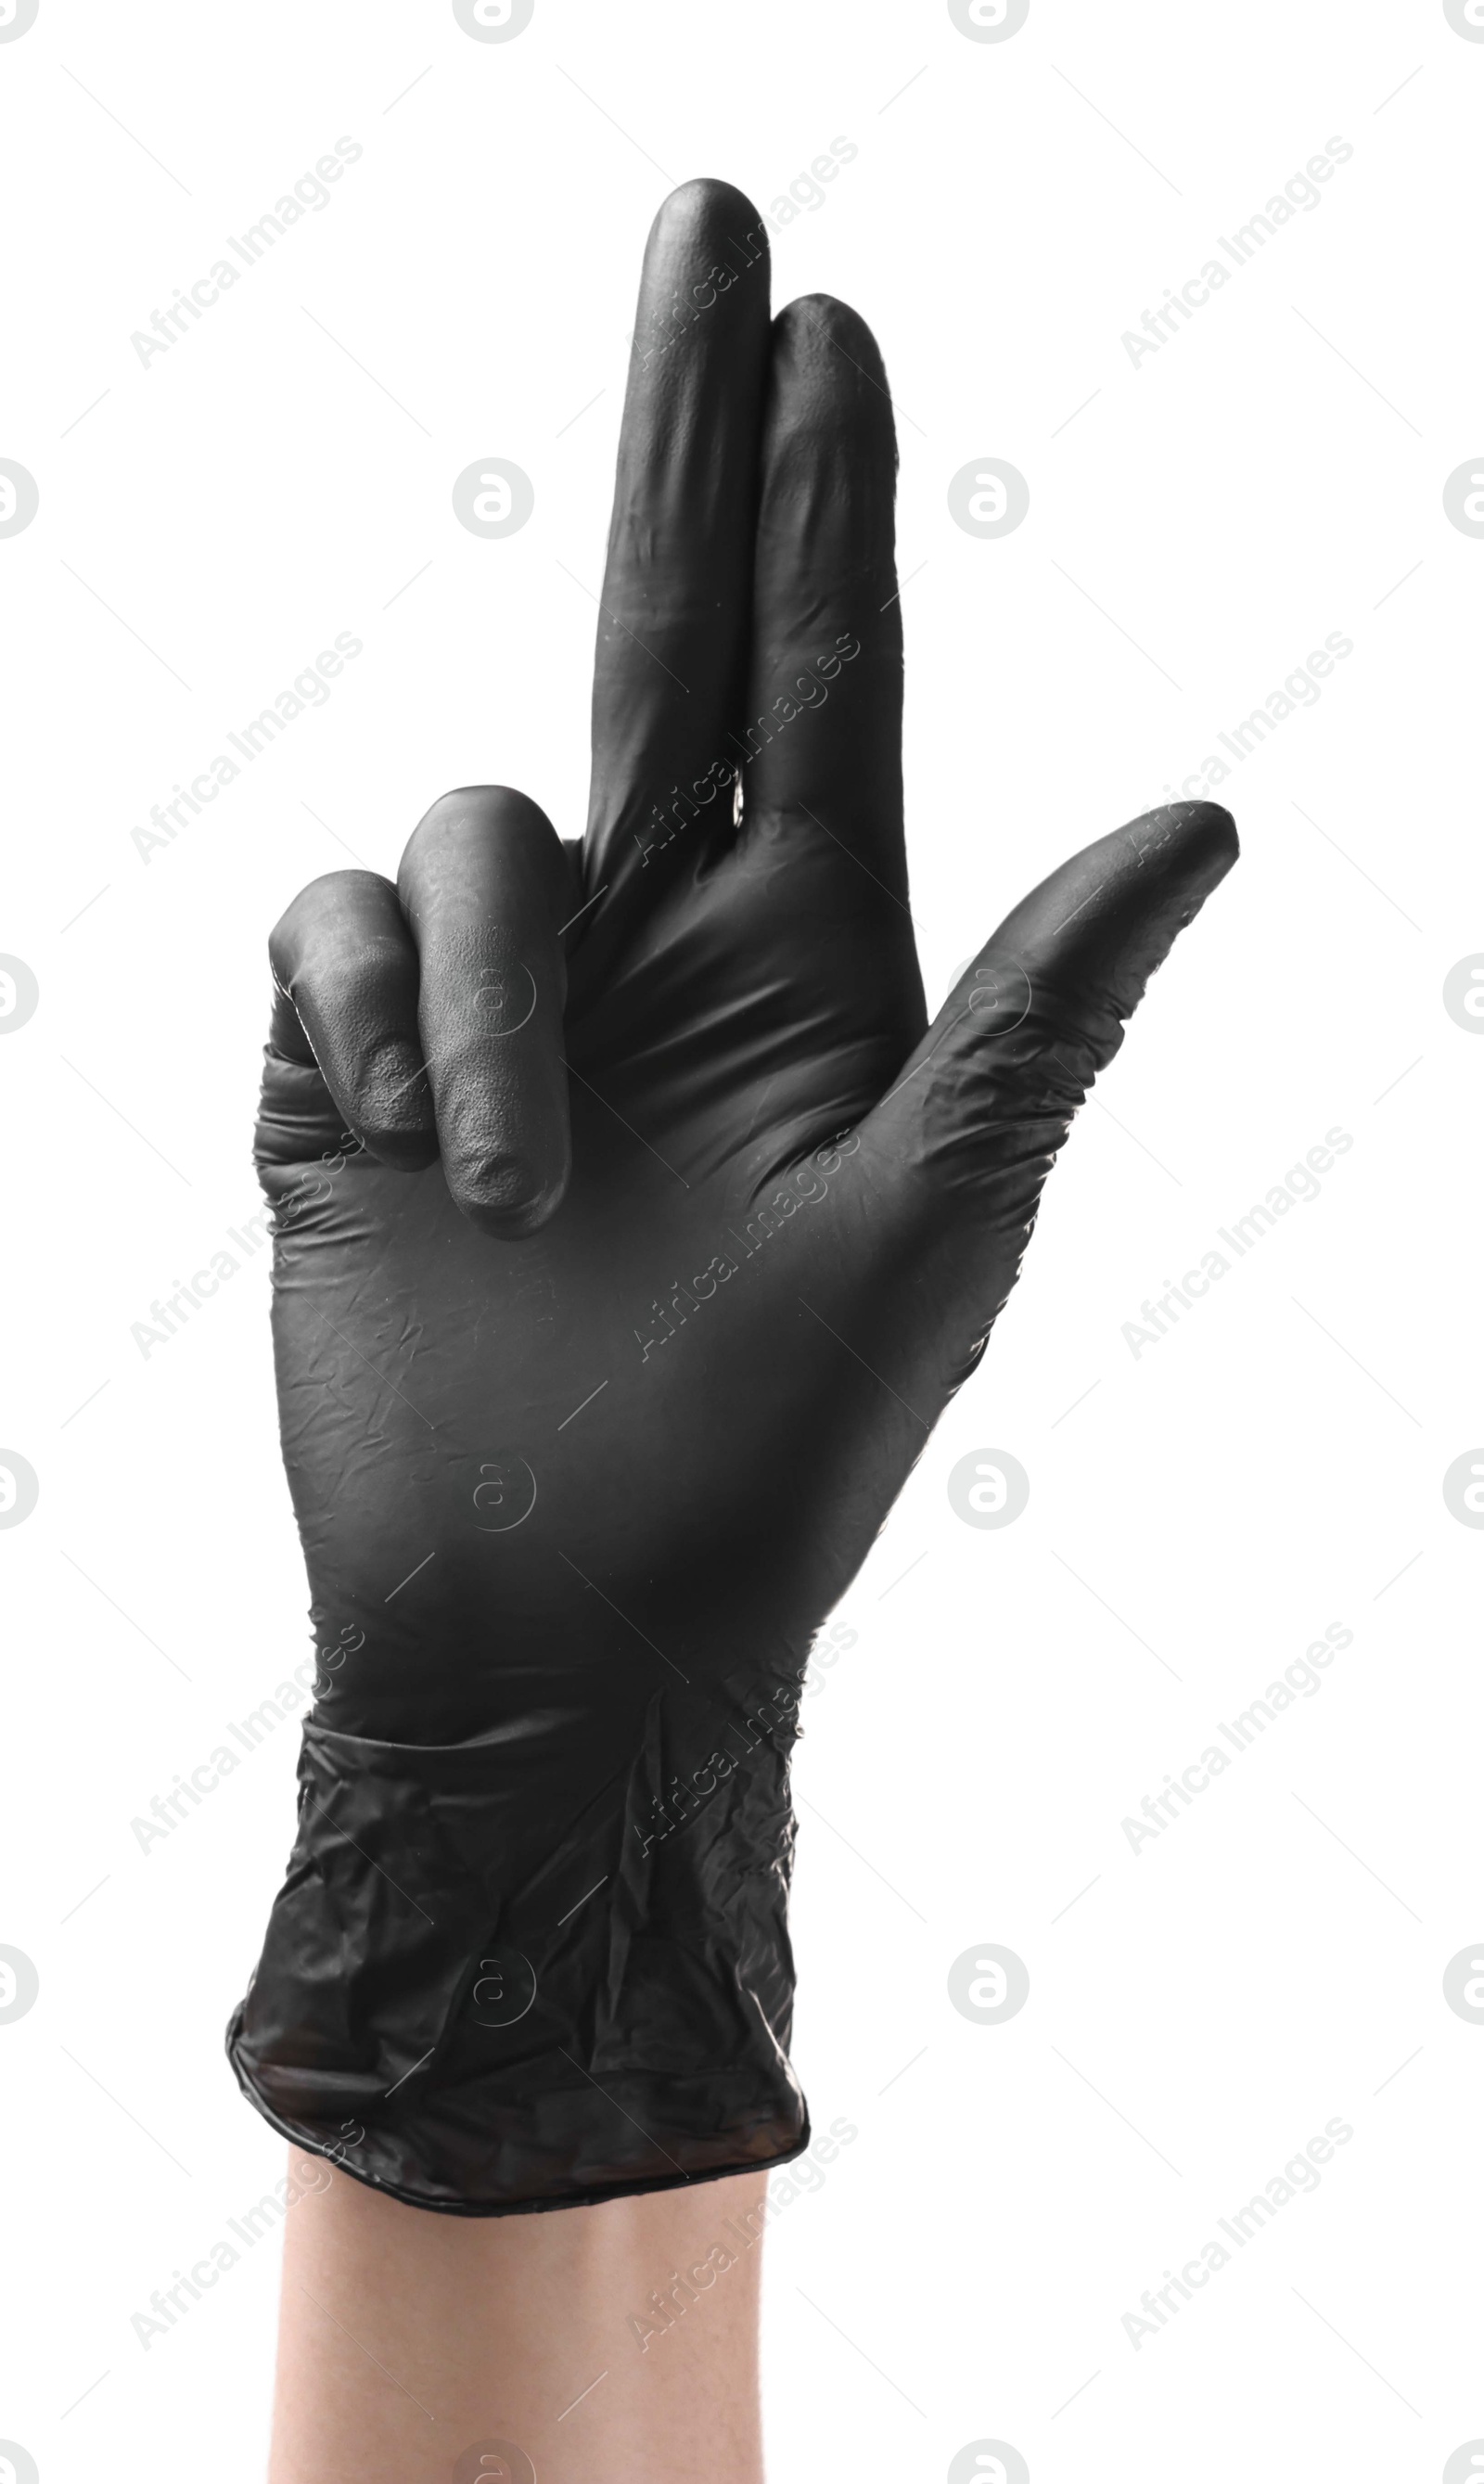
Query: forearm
pixel 617 2341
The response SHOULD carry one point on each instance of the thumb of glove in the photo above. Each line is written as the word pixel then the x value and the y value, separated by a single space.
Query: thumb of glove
pixel 977 1114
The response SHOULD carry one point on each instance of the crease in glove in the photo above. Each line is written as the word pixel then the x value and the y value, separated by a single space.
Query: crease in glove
pixel 632 1228
pixel 455 2005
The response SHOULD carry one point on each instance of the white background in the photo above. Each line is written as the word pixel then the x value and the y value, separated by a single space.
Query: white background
pixel 1198 1514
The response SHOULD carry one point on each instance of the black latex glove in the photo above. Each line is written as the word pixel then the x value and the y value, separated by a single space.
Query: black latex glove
pixel 633 1232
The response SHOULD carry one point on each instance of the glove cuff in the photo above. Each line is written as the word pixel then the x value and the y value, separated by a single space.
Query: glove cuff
pixel 486 1998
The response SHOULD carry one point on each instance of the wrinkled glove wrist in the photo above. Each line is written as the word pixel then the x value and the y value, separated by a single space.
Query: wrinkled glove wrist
pixel 483 1950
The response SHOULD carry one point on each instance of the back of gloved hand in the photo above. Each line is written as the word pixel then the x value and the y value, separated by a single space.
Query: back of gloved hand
pixel 632 1231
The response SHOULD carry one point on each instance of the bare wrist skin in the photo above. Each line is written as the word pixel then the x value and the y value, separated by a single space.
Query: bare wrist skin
pixel 600 2345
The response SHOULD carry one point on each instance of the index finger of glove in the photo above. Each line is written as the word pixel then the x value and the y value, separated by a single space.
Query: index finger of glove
pixel 823 719
pixel 484 885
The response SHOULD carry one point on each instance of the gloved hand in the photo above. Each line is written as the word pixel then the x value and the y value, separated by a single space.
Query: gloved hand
pixel 632 1231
